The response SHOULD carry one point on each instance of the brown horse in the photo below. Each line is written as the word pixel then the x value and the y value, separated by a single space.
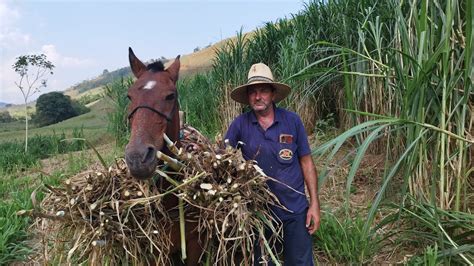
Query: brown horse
pixel 153 111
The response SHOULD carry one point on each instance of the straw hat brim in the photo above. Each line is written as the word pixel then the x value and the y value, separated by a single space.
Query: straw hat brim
pixel 239 94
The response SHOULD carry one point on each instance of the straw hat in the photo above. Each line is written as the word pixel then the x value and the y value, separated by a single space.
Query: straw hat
pixel 260 74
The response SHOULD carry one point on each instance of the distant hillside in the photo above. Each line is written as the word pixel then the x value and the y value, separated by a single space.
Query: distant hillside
pixel 2 104
pixel 199 61
pixel 105 78
pixel 188 66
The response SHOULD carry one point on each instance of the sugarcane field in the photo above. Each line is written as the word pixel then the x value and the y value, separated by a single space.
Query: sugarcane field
pixel 265 133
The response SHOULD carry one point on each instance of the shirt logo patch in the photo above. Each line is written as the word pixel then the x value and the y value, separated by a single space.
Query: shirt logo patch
pixel 286 138
pixel 286 154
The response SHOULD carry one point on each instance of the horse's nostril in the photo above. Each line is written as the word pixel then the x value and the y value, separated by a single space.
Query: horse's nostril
pixel 150 154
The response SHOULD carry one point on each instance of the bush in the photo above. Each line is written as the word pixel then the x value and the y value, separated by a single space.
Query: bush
pixel 52 108
pixel 5 117
pixel 79 107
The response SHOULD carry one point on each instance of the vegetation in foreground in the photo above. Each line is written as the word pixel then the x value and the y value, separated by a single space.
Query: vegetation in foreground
pixel 13 158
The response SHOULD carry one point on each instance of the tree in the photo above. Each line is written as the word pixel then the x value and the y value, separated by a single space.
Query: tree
pixel 79 107
pixel 52 108
pixel 32 70
pixel 5 117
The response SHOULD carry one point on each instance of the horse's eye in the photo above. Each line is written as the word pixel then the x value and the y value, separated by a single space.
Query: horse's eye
pixel 170 97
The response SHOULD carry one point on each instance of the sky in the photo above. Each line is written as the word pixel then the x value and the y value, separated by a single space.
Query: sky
pixel 82 38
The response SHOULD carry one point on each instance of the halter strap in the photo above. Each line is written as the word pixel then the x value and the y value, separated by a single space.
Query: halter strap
pixel 167 117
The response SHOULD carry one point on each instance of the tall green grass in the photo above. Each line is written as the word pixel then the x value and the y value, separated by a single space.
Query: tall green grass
pixel 449 233
pixel 230 68
pixel 13 227
pixel 411 73
pixel 198 98
pixel 13 157
pixel 15 195
pixel 342 240
pixel 412 80
pixel 428 258
pixel 117 118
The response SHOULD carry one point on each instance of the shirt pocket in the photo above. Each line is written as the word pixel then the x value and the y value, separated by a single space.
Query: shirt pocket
pixel 286 153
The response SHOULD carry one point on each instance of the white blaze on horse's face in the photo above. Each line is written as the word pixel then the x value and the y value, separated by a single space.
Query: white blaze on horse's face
pixel 149 85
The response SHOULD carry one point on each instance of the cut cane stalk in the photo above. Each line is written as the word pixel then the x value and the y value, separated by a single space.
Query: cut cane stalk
pixel 173 163
pixel 182 228
pixel 171 146
pixel 206 186
pixel 268 248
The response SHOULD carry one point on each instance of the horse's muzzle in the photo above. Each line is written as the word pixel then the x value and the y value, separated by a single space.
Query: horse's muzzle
pixel 141 162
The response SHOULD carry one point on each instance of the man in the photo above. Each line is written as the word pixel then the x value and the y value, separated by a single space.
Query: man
pixel 277 140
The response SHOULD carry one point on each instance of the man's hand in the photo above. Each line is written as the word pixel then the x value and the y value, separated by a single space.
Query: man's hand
pixel 312 219
pixel 311 180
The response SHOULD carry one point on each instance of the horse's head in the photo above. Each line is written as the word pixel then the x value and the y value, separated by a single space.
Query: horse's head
pixel 153 111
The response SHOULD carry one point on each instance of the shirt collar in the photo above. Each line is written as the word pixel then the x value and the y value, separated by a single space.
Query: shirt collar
pixel 276 118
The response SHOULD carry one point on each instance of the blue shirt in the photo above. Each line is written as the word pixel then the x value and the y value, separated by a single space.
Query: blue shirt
pixel 277 151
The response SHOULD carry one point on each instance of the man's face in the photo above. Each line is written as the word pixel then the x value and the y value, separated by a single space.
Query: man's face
pixel 260 97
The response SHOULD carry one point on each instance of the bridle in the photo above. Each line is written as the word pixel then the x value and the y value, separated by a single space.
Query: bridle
pixel 167 117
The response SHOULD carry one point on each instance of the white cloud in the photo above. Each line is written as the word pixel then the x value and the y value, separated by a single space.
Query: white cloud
pixel 13 37
pixel 63 61
pixel 10 35
pixel 8 14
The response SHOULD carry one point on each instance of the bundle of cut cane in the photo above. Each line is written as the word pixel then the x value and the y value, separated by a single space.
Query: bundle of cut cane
pixel 106 216
pixel 232 198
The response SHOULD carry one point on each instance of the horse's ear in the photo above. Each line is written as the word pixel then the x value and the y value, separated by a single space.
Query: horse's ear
pixel 138 68
pixel 173 69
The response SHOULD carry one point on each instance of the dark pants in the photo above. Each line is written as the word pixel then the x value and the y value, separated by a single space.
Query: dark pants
pixel 297 242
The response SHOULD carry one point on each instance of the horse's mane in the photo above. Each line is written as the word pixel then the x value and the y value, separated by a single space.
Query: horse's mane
pixel 156 66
